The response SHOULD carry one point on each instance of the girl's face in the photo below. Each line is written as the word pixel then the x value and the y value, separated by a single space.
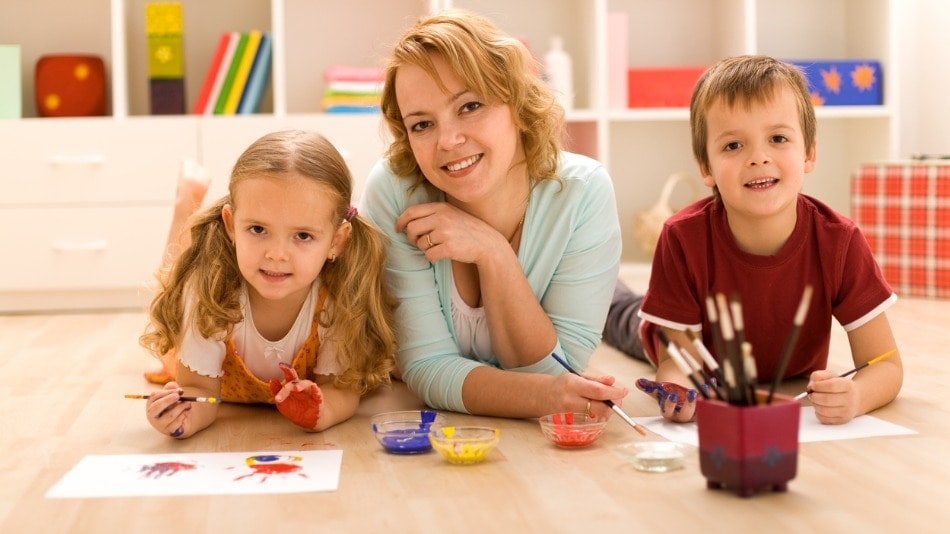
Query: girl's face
pixel 283 230
pixel 465 146
pixel 757 156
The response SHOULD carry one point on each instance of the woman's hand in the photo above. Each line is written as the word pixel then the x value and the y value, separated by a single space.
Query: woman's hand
pixel 677 403
pixel 586 394
pixel 443 231
pixel 167 413
pixel 297 400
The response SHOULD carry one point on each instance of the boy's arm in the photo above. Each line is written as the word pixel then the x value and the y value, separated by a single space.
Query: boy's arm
pixel 838 400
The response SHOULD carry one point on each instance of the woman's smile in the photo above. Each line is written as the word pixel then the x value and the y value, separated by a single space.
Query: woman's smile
pixel 464 164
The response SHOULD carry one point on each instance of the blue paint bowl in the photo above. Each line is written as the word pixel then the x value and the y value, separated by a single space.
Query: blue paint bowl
pixel 406 432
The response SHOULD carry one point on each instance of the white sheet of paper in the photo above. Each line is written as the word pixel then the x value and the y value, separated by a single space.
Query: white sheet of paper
pixel 214 473
pixel 809 429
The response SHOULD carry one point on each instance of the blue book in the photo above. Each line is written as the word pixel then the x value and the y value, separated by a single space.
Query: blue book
pixel 257 79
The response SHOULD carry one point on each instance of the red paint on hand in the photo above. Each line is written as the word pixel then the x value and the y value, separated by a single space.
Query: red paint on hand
pixel 302 405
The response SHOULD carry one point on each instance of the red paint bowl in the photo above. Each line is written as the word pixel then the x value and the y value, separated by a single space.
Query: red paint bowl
pixel 572 430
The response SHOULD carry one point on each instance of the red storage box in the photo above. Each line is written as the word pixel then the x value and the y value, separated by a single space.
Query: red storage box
pixel 661 87
pixel 70 85
pixel 904 211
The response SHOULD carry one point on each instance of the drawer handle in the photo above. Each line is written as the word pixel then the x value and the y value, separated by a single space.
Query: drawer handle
pixel 81 246
pixel 81 159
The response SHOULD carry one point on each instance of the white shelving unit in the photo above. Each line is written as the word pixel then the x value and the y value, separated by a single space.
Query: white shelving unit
pixel 641 147
pixel 135 156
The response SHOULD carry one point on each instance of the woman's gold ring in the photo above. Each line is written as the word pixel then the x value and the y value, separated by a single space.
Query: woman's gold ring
pixel 429 240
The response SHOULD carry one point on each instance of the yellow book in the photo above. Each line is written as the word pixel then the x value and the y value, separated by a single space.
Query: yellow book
pixel 243 70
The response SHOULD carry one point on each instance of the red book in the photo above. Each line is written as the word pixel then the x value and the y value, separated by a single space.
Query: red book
pixel 207 87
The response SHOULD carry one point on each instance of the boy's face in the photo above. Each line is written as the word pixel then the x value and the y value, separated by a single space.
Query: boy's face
pixel 757 155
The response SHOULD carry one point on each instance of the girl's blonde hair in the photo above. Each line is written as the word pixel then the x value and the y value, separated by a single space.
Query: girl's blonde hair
pixel 361 317
pixel 491 64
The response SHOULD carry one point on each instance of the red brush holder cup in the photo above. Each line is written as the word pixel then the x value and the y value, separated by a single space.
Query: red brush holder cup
pixel 748 448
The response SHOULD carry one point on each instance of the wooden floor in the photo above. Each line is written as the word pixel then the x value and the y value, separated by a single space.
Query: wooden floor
pixel 52 364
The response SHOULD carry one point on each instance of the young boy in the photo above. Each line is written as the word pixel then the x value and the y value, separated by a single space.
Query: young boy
pixel 759 238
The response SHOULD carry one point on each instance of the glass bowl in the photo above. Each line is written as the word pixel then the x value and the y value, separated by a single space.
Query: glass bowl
pixel 406 432
pixel 464 444
pixel 572 430
pixel 653 456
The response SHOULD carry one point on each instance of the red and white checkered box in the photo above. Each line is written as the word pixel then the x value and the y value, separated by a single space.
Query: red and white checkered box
pixel 904 211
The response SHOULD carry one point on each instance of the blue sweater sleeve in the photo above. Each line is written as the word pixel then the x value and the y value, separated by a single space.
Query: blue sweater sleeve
pixel 427 356
pixel 572 256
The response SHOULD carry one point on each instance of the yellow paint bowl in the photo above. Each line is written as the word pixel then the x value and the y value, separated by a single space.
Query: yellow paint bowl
pixel 464 444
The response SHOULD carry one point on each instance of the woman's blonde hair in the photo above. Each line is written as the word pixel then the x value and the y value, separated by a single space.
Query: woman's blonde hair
pixel 747 80
pixel 491 64
pixel 361 317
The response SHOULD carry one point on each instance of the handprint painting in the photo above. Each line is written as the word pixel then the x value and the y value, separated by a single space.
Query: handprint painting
pixel 223 473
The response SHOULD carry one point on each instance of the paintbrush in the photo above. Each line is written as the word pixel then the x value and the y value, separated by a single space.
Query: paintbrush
pixel 707 357
pixel 608 402
pixel 735 388
pixel 792 338
pixel 716 331
pixel 681 363
pixel 884 356
pixel 209 400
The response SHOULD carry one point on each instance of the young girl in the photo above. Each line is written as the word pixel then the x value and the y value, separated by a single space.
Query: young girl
pixel 279 297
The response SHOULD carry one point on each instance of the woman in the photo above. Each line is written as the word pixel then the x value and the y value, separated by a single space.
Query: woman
pixel 504 248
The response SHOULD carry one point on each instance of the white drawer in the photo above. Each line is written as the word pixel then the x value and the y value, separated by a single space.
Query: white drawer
pixel 93 160
pixel 81 248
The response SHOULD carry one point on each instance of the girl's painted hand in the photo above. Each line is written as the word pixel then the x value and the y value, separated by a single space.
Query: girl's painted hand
pixel 297 400
pixel 166 413
pixel 677 403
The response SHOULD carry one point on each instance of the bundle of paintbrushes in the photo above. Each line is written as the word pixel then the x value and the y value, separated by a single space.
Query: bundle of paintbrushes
pixel 735 375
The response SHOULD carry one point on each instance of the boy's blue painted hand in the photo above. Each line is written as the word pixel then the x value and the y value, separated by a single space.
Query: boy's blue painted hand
pixel 676 402
pixel 297 400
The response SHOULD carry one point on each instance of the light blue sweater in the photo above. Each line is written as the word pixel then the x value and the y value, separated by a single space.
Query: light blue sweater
pixel 570 253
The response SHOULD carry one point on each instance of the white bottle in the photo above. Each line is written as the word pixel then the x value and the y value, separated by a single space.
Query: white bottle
pixel 558 73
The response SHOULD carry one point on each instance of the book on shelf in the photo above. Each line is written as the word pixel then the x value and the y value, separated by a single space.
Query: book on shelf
pixel 244 64
pixel 211 85
pixel 352 89
pixel 257 79
pixel 11 93
pixel 231 74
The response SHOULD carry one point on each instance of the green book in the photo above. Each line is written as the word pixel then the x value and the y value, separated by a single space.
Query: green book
pixel 231 75
pixel 11 97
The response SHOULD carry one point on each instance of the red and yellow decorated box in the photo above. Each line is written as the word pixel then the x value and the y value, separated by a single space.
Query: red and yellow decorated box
pixel 904 211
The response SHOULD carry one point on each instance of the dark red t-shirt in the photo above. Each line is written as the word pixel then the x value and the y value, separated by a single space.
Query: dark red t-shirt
pixel 697 256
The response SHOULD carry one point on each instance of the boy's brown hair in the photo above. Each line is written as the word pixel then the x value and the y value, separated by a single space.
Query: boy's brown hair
pixel 747 80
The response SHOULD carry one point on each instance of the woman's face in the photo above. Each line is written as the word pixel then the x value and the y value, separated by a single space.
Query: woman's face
pixel 464 145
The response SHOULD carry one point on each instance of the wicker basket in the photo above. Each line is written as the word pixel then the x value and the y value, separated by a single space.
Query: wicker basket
pixel 647 224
